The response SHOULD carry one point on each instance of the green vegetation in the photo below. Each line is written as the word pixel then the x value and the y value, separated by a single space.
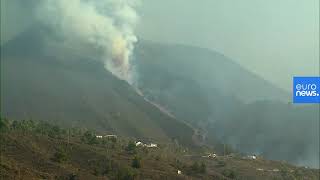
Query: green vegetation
pixel 197 168
pixel 3 124
pixel 38 150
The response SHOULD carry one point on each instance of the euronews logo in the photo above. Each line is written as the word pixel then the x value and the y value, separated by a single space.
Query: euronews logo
pixel 306 90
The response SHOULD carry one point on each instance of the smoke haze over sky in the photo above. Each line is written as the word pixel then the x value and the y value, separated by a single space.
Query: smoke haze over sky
pixel 276 39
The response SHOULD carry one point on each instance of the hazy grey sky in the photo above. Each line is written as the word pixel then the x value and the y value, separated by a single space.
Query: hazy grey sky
pixel 276 39
pixel 273 38
pixel 15 18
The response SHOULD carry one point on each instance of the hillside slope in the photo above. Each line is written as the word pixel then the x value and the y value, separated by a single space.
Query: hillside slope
pixel 209 69
pixel 36 150
pixel 74 91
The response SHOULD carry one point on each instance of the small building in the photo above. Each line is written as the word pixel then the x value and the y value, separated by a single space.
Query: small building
pixel 111 136
pixel 151 145
pixel 253 157
pixel 139 143
pixel 179 172
pixel 210 155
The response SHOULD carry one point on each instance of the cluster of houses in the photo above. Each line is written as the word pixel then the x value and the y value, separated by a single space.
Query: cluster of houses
pixel 273 170
pixel 138 143
pixel 151 145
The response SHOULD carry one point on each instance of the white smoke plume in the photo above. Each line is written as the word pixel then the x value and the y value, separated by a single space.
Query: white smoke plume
pixel 107 26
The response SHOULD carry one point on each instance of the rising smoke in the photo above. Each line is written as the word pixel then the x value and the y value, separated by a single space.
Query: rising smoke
pixel 107 26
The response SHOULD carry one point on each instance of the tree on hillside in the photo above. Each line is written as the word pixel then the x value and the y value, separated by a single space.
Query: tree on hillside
pixel 24 125
pixel 136 162
pixel 89 138
pixel 131 147
pixel 202 168
pixel 3 124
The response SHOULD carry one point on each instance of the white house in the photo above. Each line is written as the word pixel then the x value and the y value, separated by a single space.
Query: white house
pixel 210 155
pixel 139 143
pixel 253 157
pixel 110 136
pixel 152 145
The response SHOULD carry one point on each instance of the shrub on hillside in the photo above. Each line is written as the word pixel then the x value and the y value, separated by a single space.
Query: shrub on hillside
pixel 60 156
pixel 221 163
pixel 125 174
pixel 229 173
pixel 202 168
pixel 197 168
